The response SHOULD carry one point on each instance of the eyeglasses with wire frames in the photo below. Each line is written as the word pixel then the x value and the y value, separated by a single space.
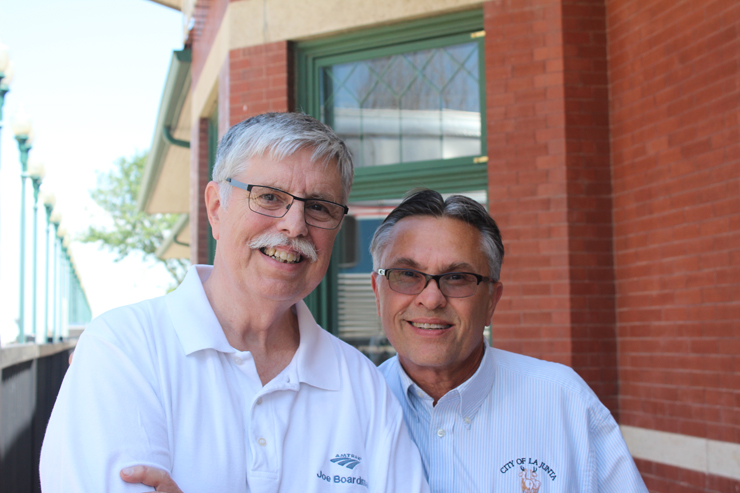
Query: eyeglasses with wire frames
pixel 273 202
pixel 451 284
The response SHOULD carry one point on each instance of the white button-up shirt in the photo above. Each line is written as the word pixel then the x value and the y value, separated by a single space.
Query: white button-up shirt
pixel 157 383
pixel 518 422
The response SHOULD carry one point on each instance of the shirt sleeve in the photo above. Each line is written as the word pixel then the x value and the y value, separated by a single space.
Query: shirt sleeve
pixel 397 466
pixel 107 416
pixel 616 471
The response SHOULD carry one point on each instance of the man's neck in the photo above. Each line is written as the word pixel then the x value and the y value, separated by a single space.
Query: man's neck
pixel 266 328
pixel 436 382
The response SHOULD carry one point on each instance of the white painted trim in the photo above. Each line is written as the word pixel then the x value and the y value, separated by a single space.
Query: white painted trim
pixel 254 22
pixel 687 452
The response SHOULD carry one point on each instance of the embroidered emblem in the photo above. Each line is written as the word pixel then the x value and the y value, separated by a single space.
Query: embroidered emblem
pixel 349 461
pixel 530 483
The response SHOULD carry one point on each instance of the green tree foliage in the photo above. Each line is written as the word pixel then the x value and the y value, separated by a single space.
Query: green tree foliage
pixel 132 231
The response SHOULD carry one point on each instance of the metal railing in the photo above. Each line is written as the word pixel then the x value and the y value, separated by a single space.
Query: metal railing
pixel 31 377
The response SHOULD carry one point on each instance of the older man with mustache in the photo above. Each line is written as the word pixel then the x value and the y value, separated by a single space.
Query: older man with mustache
pixel 230 374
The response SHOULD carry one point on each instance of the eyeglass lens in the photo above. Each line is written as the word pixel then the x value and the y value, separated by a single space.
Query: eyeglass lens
pixel 454 284
pixel 274 203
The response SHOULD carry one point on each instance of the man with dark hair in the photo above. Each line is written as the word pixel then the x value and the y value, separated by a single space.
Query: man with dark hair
pixel 227 383
pixel 484 419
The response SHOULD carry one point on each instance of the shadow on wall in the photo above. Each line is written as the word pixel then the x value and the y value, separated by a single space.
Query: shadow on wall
pixel 27 395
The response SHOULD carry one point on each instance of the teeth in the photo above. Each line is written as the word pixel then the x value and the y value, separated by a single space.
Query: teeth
pixel 430 326
pixel 284 257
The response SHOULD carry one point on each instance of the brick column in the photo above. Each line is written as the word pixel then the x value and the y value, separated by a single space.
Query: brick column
pixel 549 184
pixel 259 80
pixel 590 229
pixel 198 180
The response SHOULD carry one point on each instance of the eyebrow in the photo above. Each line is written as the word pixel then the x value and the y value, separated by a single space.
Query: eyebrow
pixel 312 196
pixel 321 196
pixel 412 264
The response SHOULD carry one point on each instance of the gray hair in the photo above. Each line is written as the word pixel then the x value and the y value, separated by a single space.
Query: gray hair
pixel 279 135
pixel 424 202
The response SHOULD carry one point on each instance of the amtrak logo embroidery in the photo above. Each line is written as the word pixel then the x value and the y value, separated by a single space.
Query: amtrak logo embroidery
pixel 533 473
pixel 349 461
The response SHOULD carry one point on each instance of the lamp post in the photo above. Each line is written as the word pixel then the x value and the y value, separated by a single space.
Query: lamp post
pixel 22 130
pixel 6 77
pixel 49 200
pixel 61 237
pixel 66 273
pixel 36 172
pixel 56 218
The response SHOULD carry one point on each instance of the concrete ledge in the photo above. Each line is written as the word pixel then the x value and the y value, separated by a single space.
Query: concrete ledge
pixel 687 452
pixel 19 353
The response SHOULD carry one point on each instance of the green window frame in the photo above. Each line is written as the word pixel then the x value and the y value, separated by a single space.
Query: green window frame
pixel 393 180
pixel 390 181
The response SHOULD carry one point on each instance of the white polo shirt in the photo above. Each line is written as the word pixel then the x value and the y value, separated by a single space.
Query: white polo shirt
pixel 157 383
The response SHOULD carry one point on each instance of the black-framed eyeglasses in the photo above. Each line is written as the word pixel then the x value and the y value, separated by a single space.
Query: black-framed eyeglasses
pixel 273 202
pixel 451 284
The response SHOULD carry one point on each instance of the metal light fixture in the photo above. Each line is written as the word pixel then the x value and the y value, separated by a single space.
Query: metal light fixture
pixel 36 172
pixel 49 200
pixel 56 219
pixel 22 129
pixel 61 235
pixel 6 77
pixel 6 74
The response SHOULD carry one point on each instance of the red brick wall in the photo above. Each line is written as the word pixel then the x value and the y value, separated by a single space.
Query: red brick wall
pixel 591 260
pixel 549 184
pixel 526 175
pixel 259 80
pixel 674 70
pixel 663 478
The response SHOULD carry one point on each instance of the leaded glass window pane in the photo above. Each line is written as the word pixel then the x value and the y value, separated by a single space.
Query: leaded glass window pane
pixel 415 106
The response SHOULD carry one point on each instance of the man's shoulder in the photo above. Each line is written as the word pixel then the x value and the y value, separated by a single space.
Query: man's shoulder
pixel 389 367
pixel 526 369
pixel 131 325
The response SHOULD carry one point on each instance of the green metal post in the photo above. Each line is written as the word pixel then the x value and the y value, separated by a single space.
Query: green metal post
pixel 23 147
pixel 3 91
pixel 57 302
pixel 48 209
pixel 36 185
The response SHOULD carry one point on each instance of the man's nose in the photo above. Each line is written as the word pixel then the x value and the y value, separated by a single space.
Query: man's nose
pixel 431 297
pixel 293 223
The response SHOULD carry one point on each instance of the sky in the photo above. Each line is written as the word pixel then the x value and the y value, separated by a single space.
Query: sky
pixel 90 74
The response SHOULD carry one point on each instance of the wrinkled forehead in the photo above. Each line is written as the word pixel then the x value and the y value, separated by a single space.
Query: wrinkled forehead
pixel 441 243
pixel 301 166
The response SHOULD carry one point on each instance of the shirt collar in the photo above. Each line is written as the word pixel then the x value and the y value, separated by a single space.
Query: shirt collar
pixel 195 323
pixel 471 392
pixel 316 362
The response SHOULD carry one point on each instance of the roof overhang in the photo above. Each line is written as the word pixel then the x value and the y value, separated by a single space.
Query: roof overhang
pixel 177 244
pixel 165 185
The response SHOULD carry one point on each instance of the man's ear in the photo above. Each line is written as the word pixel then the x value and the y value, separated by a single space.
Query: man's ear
pixel 496 293
pixel 374 282
pixel 213 207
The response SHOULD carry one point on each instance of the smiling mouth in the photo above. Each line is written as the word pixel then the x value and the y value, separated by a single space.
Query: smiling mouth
pixel 431 326
pixel 282 256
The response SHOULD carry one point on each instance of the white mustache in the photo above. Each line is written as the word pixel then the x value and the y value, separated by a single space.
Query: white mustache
pixel 300 245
